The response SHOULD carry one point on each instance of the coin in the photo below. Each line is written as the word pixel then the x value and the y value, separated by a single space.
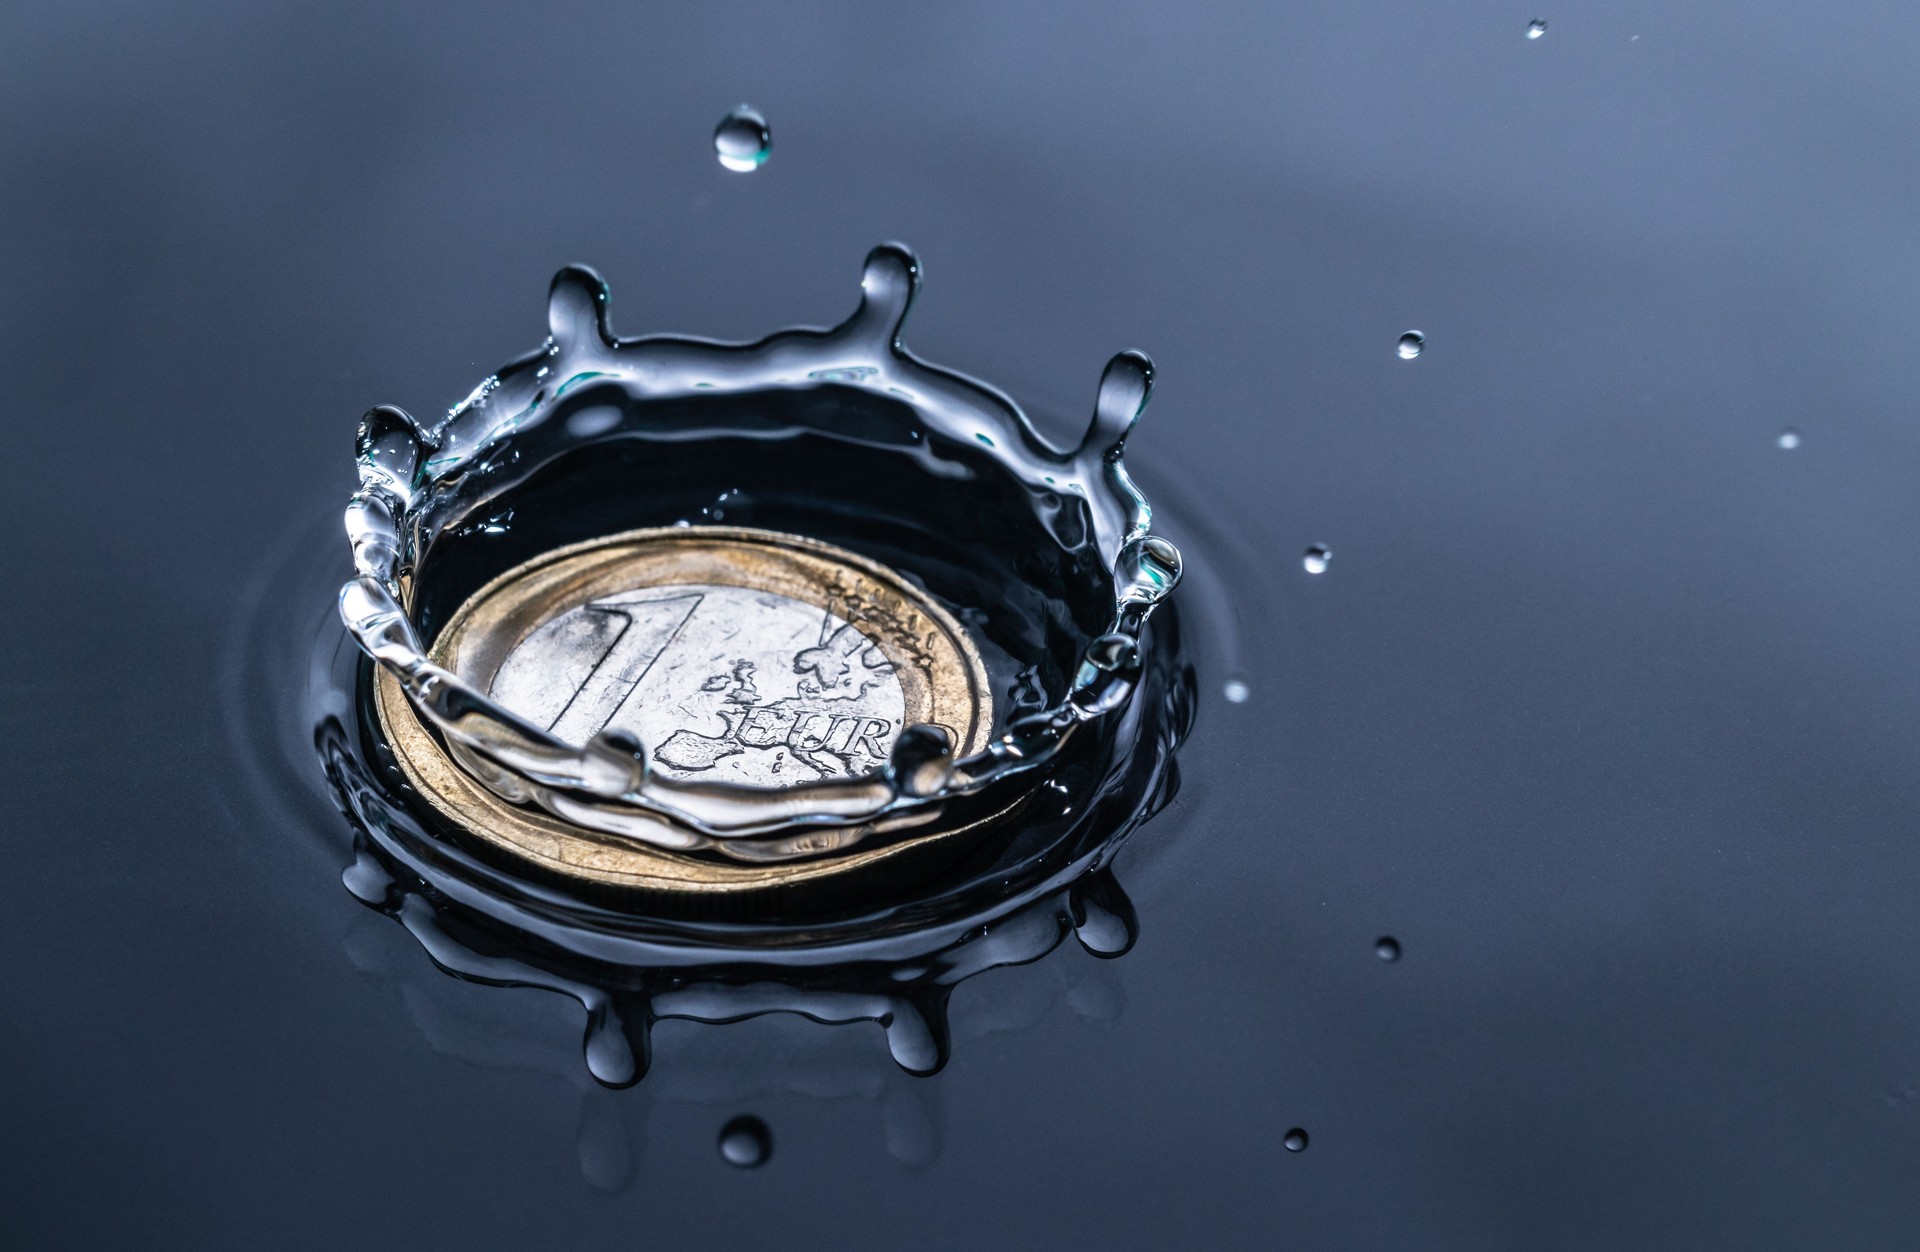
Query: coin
pixel 734 655
pixel 729 683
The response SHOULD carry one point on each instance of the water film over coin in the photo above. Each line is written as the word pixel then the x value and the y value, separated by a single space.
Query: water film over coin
pixel 726 681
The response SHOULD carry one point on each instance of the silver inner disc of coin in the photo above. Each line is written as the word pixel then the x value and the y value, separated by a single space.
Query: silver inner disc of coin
pixel 720 683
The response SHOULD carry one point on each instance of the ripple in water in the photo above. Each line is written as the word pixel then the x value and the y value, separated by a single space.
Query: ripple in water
pixel 743 139
pixel 1317 559
pixel 1412 344
pixel 887 950
pixel 746 1142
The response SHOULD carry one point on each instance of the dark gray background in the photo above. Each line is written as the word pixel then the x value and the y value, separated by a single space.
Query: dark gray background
pixel 1606 706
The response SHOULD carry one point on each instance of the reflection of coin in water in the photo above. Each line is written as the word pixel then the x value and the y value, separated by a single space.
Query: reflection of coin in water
pixel 734 655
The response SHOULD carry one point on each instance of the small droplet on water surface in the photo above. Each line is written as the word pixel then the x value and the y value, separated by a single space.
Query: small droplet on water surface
pixel 1317 559
pixel 1387 948
pixel 1536 28
pixel 1296 1140
pixel 1236 691
pixel 742 140
pixel 746 1142
pixel 1412 344
pixel 1789 439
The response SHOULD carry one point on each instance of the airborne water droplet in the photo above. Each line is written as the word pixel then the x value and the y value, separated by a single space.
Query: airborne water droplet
pixel 1789 439
pixel 1412 344
pixel 746 1142
pixel 1236 691
pixel 1536 28
pixel 1387 948
pixel 1316 560
pixel 1296 1140
pixel 742 140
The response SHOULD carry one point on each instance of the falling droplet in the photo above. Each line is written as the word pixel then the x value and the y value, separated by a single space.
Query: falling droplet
pixel 1236 691
pixel 1296 1140
pixel 1412 344
pixel 742 140
pixel 746 1142
pixel 1789 439
pixel 1317 559
pixel 1387 948
pixel 1536 28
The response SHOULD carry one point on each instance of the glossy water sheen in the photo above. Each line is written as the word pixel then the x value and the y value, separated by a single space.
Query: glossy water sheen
pixel 1606 709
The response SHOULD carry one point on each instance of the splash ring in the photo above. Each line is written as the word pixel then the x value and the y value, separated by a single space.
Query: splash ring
pixel 419 483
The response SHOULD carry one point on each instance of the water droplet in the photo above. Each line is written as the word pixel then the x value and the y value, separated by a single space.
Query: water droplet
pixel 1387 948
pixel 1150 568
pixel 1317 559
pixel 742 140
pixel 1412 344
pixel 1296 1140
pixel 1536 28
pixel 1789 439
pixel 746 1142
pixel 1236 691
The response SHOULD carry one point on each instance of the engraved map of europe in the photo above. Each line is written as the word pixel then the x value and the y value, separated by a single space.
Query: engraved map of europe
pixel 723 683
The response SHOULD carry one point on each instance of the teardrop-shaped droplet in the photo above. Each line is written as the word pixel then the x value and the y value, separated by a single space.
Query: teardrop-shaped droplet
pixel 917 1034
pixel 1317 559
pixel 1103 917
pixel 1536 28
pixel 617 1045
pixel 746 1142
pixel 1412 344
pixel 742 140
pixel 388 450
pixel 1148 569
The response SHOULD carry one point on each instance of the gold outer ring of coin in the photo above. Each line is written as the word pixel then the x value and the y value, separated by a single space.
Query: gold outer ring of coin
pixel 942 680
